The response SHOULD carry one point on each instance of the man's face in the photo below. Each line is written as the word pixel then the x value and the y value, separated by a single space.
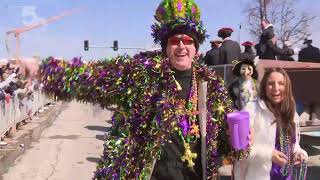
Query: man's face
pixel 246 71
pixel 264 24
pixel 215 44
pixel 181 51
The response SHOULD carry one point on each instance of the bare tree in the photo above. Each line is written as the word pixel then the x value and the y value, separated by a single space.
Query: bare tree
pixel 288 24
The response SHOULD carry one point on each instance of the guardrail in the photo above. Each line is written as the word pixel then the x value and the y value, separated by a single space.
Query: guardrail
pixel 13 110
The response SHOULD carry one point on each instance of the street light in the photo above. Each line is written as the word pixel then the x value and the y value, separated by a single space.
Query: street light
pixel 115 46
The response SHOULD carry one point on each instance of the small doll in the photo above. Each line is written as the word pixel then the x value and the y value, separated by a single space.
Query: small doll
pixel 244 88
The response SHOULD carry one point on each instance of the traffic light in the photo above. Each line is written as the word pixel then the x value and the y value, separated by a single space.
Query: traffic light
pixel 86 45
pixel 115 45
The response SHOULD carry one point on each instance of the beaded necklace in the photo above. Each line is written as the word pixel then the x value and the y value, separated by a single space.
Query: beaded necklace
pixel 186 127
pixel 286 148
pixel 299 173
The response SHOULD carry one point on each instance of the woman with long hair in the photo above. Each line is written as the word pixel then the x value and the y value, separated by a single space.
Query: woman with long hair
pixel 275 147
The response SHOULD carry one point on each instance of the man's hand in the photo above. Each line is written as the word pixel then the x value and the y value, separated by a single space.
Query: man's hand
pixel 279 158
pixel 28 67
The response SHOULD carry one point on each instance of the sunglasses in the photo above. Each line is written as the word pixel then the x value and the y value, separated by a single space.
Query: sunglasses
pixel 176 40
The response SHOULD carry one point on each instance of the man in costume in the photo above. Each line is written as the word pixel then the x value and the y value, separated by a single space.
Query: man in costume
pixel 155 131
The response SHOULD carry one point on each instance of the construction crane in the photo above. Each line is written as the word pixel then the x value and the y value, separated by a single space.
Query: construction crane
pixel 16 32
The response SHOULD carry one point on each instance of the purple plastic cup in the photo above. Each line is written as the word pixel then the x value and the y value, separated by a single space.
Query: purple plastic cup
pixel 238 123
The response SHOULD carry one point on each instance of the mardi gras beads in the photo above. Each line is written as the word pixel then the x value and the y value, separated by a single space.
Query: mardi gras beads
pixel 285 147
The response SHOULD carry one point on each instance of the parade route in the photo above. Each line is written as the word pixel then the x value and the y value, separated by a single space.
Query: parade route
pixel 69 149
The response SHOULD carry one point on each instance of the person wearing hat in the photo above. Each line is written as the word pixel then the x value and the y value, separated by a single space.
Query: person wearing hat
pixel 229 50
pixel 248 51
pixel 244 88
pixel 212 57
pixel 309 53
pixel 155 131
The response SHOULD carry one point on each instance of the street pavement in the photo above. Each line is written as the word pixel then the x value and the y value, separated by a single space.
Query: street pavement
pixel 71 147
pixel 67 150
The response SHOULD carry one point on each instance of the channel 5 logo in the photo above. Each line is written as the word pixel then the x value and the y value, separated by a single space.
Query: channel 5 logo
pixel 30 16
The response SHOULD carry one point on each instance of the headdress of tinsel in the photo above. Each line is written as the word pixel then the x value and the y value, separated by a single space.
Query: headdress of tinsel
pixel 182 15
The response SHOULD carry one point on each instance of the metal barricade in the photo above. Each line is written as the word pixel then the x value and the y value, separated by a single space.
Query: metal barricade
pixel 14 110
pixel 224 71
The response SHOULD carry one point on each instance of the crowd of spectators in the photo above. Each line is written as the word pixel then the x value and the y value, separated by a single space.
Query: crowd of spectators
pixel 13 84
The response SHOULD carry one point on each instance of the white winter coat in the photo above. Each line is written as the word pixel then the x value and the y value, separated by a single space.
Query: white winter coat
pixel 258 164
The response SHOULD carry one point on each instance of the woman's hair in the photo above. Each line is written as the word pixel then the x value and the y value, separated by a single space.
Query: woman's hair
pixel 285 111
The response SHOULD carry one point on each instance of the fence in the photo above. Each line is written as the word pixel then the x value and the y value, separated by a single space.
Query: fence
pixel 13 110
pixel 224 71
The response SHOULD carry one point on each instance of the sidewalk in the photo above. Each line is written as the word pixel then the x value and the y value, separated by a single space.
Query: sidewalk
pixel 20 140
pixel 69 149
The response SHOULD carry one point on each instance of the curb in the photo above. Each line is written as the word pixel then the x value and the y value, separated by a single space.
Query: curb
pixel 26 134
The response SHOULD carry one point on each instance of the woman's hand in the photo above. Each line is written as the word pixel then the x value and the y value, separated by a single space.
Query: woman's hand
pixel 279 158
pixel 298 158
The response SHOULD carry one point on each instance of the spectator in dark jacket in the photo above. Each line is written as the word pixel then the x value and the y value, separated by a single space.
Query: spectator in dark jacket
pixel 248 51
pixel 212 57
pixel 272 50
pixel 266 34
pixel 287 46
pixel 309 53
pixel 229 50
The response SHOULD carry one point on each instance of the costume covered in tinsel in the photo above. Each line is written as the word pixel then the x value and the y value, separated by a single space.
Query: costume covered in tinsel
pixel 156 121
pixel 146 94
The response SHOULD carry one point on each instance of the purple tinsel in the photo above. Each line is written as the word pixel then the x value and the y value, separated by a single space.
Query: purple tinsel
pixel 183 123
pixel 193 10
pixel 179 6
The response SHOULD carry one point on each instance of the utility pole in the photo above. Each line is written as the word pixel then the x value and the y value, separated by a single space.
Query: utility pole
pixel 263 10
